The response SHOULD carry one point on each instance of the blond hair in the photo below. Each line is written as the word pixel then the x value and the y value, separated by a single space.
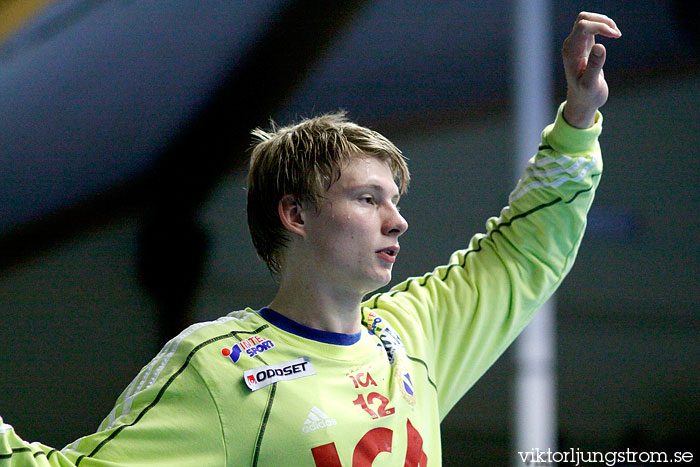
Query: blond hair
pixel 304 160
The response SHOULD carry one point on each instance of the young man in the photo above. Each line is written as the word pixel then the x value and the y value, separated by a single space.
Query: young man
pixel 321 377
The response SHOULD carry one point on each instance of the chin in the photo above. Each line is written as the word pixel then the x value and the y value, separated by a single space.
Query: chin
pixel 376 279
pixel 382 280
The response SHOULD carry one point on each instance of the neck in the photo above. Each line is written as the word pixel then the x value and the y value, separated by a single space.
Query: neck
pixel 313 305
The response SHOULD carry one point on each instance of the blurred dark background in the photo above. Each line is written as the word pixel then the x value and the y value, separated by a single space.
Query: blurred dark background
pixel 123 130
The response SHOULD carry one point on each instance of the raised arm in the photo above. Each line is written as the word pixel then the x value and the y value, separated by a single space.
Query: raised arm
pixel 471 309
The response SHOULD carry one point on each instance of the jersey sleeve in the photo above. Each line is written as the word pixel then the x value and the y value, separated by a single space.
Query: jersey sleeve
pixel 460 317
pixel 165 417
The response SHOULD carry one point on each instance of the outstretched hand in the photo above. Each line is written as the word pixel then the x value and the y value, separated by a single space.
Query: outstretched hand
pixel 583 65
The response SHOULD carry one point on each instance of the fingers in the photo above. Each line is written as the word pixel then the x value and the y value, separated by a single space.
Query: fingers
pixel 594 67
pixel 583 65
pixel 578 47
pixel 595 23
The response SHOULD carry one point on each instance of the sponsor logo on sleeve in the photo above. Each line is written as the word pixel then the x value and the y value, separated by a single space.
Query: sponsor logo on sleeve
pixel 407 383
pixel 252 346
pixel 395 352
pixel 262 376
pixel 372 321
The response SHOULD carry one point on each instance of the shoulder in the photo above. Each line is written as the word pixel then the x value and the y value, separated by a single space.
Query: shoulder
pixel 186 348
pixel 202 334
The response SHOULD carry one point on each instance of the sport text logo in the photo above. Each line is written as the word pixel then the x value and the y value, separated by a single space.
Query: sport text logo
pixel 252 346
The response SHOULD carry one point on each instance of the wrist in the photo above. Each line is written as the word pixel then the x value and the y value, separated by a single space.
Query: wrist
pixel 577 116
pixel 567 139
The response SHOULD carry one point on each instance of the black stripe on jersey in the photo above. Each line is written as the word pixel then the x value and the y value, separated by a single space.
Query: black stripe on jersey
pixel 236 335
pixel 427 372
pixel 14 451
pixel 422 281
pixel 167 384
pixel 263 424
pixel 26 449
pixel 266 415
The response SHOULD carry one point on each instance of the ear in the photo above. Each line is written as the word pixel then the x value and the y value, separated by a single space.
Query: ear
pixel 290 212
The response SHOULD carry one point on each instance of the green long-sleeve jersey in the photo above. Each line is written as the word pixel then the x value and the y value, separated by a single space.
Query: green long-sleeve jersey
pixel 255 388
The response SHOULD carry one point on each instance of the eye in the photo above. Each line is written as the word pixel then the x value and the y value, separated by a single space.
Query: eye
pixel 367 199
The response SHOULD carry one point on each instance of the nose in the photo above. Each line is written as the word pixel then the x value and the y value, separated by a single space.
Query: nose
pixel 395 224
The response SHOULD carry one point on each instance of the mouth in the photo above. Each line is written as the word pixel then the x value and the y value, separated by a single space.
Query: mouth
pixel 388 254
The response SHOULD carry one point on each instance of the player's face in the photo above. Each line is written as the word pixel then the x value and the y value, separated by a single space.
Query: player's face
pixel 356 229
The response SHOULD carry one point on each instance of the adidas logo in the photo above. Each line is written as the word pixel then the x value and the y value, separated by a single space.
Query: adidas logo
pixel 316 420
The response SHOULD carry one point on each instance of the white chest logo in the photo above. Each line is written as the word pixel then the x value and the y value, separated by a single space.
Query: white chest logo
pixel 317 420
